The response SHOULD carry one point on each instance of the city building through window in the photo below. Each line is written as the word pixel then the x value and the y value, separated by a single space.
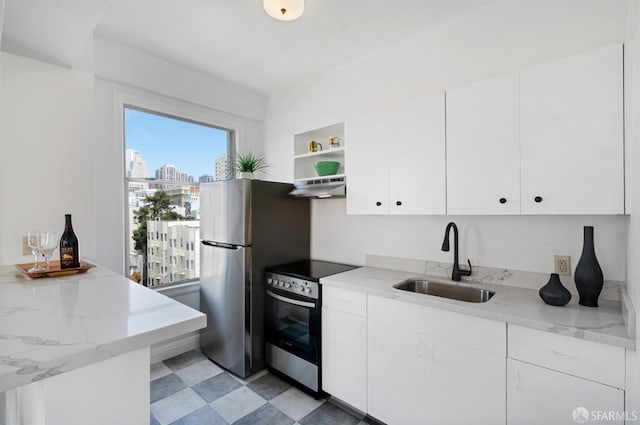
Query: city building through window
pixel 166 160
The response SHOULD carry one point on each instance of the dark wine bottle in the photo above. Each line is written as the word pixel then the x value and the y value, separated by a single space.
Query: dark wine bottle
pixel 69 254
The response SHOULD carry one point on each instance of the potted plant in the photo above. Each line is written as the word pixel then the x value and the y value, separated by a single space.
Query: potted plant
pixel 248 163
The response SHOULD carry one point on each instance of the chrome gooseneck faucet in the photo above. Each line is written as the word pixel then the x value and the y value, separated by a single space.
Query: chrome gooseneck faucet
pixel 457 273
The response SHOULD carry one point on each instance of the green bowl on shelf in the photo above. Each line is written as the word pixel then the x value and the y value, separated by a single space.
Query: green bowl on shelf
pixel 326 168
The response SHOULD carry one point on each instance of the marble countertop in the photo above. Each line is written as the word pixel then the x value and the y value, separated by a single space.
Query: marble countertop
pixel 50 326
pixel 510 304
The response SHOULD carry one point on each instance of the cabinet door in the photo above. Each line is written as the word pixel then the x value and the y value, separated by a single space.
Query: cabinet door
pixel 483 151
pixel 539 396
pixel 571 119
pixel 417 156
pixel 396 363
pixel 366 152
pixel 344 357
pixel 464 384
pixel 396 384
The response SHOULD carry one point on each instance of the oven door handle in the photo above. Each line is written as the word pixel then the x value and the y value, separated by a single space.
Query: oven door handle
pixel 290 301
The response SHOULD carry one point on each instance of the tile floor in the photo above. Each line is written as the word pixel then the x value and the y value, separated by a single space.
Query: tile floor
pixel 189 389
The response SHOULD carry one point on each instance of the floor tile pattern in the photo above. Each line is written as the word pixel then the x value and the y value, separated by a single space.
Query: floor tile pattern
pixel 189 389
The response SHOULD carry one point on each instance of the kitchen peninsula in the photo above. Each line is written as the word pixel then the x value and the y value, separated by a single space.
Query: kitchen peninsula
pixel 75 349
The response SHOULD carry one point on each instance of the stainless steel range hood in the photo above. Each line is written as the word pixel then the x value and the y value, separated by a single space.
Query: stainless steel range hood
pixel 320 188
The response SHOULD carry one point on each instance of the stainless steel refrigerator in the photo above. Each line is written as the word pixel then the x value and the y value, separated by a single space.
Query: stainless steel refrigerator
pixel 245 226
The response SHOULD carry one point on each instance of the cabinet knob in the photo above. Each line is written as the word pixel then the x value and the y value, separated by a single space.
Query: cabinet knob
pixel 398 203
pixel 378 203
pixel 503 200
pixel 538 199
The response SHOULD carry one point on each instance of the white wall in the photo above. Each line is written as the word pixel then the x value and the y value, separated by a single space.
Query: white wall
pixel 67 123
pixel 499 38
pixel 633 152
pixel 134 68
pixel 1 18
pixel 46 157
pixel 143 80
pixel 521 243
pixel 2 150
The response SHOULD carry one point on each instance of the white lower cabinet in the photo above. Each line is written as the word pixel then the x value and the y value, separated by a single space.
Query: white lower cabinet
pixel 552 377
pixel 539 396
pixel 344 357
pixel 403 363
pixel 397 383
pixel 464 385
pixel 344 345
pixel 415 376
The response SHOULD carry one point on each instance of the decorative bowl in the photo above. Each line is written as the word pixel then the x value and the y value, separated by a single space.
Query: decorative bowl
pixel 326 168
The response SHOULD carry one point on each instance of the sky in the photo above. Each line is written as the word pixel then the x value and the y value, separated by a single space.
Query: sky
pixel 161 140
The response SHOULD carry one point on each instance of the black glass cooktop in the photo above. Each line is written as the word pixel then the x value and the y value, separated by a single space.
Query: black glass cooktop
pixel 311 270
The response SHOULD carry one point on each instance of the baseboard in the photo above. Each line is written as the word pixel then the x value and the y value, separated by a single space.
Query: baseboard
pixel 172 347
pixel 347 407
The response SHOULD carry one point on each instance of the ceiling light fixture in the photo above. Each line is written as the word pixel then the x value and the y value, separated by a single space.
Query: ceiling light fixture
pixel 284 10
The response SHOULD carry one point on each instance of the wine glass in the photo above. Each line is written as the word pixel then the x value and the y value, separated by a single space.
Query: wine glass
pixel 33 242
pixel 48 244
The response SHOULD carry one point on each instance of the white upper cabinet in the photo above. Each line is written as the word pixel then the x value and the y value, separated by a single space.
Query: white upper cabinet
pixel 571 135
pixel 417 157
pixel 483 152
pixel 368 188
pixel 396 157
pixel 545 140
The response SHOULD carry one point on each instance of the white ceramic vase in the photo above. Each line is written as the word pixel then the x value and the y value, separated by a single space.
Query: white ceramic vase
pixel 245 175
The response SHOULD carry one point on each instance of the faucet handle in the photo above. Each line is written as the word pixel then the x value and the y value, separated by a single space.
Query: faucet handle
pixel 467 272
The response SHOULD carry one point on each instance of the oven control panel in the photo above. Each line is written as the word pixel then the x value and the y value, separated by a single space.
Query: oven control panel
pixel 295 285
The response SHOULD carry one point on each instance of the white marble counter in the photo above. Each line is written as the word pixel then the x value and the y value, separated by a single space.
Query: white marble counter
pixel 510 304
pixel 54 325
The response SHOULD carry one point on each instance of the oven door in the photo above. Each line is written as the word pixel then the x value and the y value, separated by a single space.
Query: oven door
pixel 293 324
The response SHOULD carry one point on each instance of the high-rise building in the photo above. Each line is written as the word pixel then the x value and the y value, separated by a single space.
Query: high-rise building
pixel 171 173
pixel 138 167
pixel 224 170
pixel 206 178
pixel 129 157
pixel 183 176
pixel 167 172
pixel 135 166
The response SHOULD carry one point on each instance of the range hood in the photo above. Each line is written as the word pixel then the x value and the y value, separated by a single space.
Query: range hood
pixel 320 188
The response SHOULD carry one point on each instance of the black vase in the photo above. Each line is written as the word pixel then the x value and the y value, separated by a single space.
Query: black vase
pixel 554 293
pixel 588 274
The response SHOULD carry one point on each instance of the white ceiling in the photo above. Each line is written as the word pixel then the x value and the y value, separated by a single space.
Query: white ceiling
pixel 234 40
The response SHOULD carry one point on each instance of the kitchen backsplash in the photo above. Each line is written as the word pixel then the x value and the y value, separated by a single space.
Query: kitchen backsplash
pixel 612 289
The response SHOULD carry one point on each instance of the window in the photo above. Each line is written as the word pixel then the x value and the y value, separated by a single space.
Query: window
pixel 166 159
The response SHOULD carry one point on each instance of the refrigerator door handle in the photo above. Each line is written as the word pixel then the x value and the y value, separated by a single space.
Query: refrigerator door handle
pixel 290 301
pixel 220 245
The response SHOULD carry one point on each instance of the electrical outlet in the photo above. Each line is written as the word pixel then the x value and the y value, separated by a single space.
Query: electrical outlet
pixel 25 246
pixel 562 265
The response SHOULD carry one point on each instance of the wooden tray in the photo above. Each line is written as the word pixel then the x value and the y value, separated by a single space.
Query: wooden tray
pixel 54 269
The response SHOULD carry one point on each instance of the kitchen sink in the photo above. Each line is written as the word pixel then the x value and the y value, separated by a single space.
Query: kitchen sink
pixel 446 290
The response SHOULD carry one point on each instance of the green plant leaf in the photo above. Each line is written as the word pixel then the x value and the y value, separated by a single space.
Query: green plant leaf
pixel 250 162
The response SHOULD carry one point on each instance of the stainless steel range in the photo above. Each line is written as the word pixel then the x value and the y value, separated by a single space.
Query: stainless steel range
pixel 293 319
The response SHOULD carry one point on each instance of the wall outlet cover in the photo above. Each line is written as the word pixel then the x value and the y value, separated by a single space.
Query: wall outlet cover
pixel 562 265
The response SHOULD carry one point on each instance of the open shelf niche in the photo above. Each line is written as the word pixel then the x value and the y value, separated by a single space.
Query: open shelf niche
pixel 304 160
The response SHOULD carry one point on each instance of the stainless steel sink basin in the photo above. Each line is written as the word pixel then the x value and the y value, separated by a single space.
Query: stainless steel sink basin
pixel 446 290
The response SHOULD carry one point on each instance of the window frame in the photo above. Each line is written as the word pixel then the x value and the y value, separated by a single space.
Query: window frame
pixel 175 110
